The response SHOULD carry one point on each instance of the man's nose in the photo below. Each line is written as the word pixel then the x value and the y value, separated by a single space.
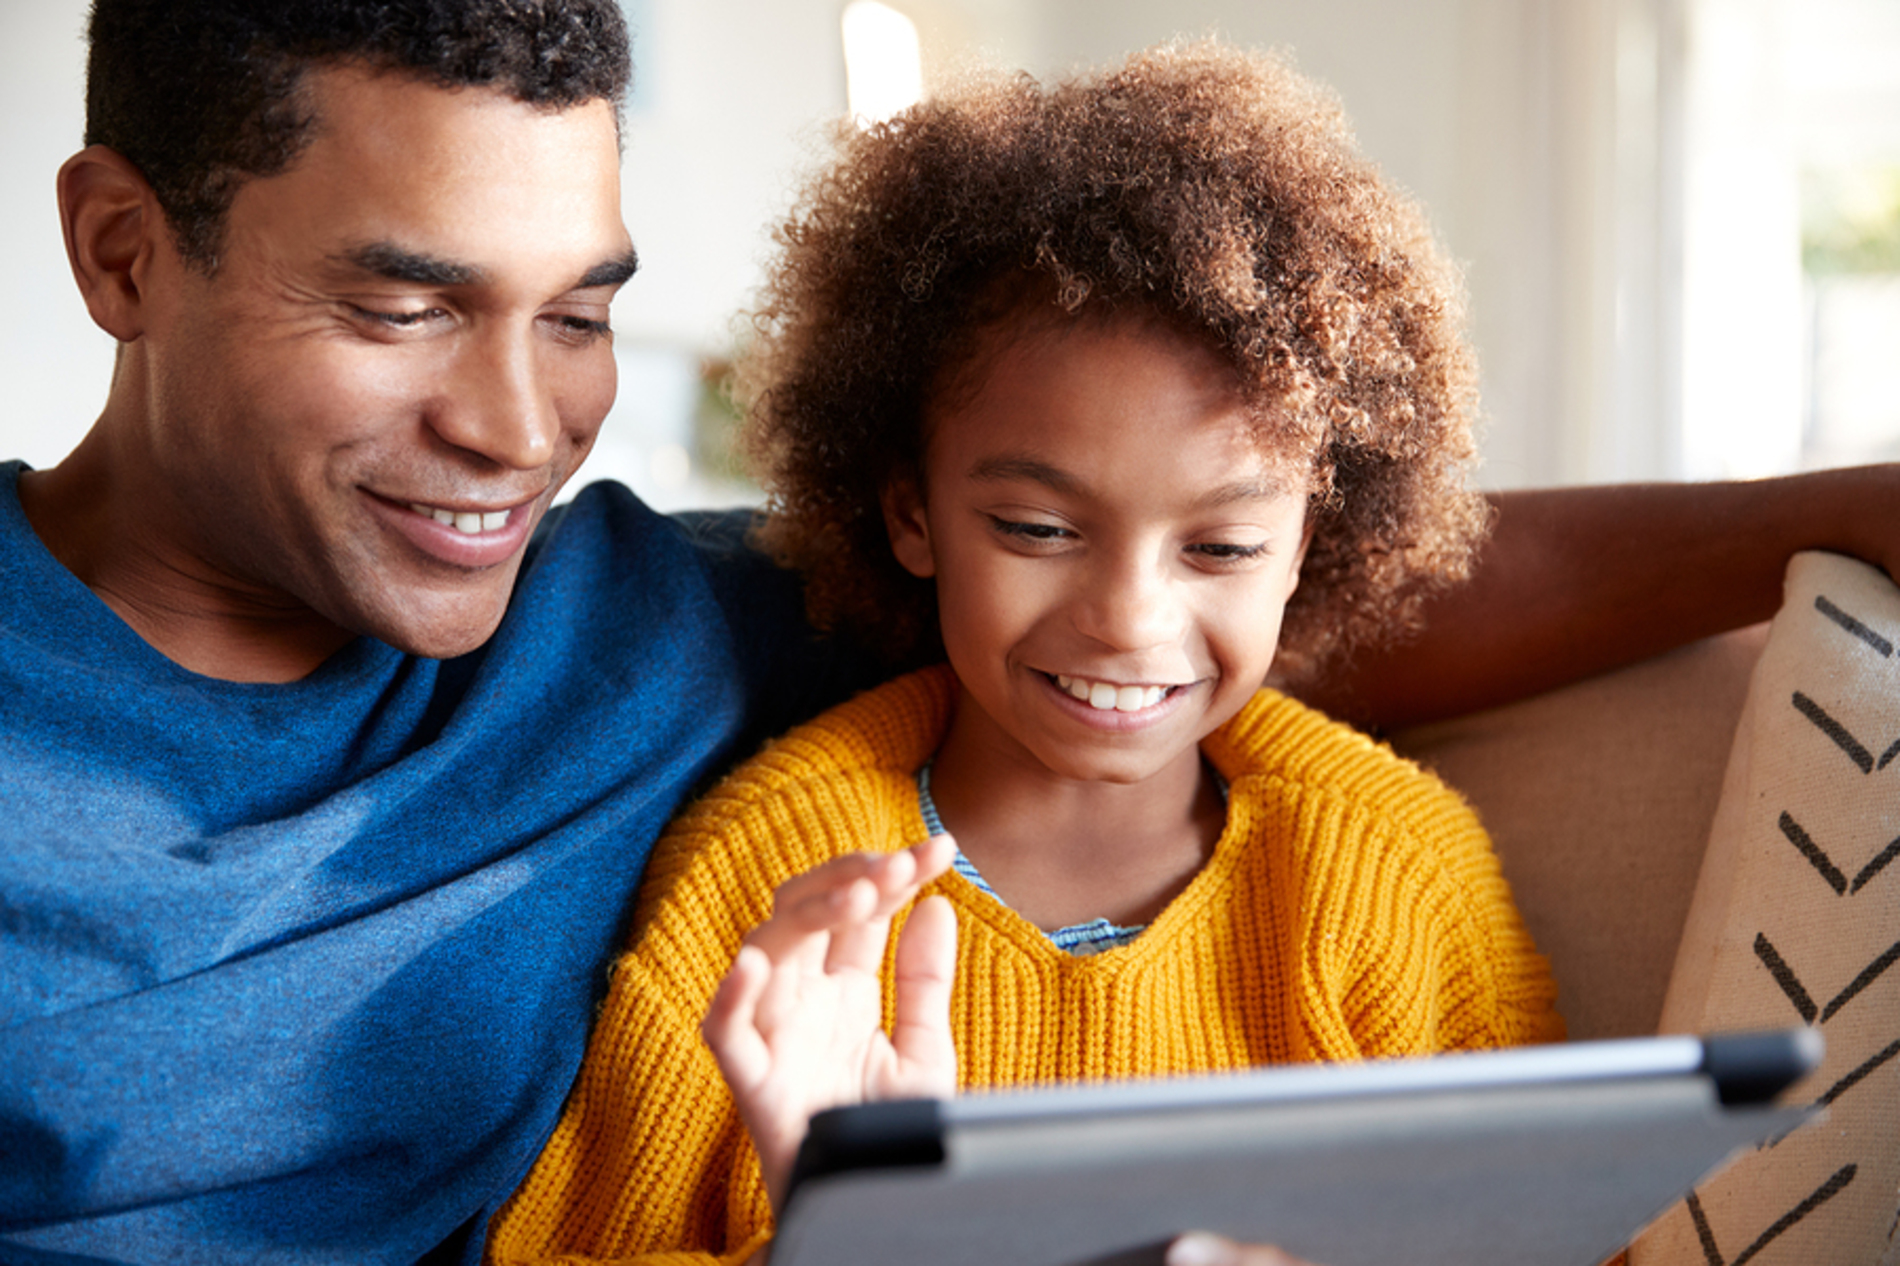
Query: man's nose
pixel 501 404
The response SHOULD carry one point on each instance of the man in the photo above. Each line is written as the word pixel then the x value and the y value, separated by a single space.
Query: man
pixel 330 755
pixel 303 913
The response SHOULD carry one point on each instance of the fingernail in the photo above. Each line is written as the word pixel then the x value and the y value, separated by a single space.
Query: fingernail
pixel 1199 1250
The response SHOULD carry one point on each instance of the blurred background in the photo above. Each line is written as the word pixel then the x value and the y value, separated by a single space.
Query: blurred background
pixel 1679 219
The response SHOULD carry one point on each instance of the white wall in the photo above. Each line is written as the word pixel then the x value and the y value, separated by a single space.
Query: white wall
pixel 54 363
pixel 1502 116
pixel 729 97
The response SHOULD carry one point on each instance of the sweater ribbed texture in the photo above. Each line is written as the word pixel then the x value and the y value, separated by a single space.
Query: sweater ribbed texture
pixel 1352 909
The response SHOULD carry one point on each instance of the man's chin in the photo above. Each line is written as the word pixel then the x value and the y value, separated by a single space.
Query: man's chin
pixel 439 631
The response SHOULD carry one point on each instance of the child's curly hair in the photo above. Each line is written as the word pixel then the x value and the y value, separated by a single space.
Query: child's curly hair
pixel 1215 189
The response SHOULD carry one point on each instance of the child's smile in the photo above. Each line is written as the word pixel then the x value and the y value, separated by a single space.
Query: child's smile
pixel 1114 708
pixel 1106 696
pixel 1113 549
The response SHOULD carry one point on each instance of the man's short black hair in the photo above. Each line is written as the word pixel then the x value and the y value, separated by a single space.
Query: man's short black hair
pixel 201 95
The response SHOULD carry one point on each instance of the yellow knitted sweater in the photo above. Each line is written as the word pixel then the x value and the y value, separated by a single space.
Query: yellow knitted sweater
pixel 1352 908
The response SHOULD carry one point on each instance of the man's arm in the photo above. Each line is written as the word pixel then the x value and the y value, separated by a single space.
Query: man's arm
pixel 1576 581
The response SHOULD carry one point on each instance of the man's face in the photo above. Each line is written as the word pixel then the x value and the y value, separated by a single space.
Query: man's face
pixel 402 356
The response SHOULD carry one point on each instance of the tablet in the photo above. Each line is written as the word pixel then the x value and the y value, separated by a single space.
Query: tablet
pixel 1542 1156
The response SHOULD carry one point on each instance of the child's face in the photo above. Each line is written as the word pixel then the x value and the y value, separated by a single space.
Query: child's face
pixel 1113 552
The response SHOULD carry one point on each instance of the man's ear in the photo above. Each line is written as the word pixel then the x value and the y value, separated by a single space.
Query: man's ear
pixel 110 219
pixel 908 525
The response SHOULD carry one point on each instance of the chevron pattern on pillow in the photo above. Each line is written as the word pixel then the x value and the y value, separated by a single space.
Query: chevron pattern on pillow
pixel 1796 920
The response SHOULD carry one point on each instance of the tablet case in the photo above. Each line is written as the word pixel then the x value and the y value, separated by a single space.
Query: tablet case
pixel 1547 1156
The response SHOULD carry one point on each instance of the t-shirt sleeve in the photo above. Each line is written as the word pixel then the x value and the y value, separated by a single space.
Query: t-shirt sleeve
pixel 650 1162
pixel 794 671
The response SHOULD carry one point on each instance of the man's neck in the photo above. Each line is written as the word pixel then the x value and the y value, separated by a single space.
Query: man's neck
pixel 215 630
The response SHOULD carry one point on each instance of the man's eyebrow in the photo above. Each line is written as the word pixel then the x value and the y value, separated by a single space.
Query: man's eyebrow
pixel 396 263
pixel 612 272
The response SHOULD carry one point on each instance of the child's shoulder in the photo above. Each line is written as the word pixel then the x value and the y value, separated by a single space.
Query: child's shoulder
pixel 1278 738
pixel 1337 800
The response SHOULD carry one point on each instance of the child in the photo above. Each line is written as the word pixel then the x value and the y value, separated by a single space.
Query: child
pixel 1103 393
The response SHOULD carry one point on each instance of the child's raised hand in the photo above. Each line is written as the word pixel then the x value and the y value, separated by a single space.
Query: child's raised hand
pixel 1199 1249
pixel 796 1025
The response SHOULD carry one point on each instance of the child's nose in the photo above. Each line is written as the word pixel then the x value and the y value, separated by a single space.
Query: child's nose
pixel 1130 605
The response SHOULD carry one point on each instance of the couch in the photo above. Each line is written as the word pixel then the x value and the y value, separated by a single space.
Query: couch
pixel 1701 842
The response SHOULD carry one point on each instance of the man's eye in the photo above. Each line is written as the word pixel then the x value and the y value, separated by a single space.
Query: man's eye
pixel 581 327
pixel 401 320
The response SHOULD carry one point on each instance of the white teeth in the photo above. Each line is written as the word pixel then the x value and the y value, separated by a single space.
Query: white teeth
pixel 1107 697
pixel 467 522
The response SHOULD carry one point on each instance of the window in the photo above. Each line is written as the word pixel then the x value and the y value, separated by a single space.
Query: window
pixel 1792 237
pixel 883 64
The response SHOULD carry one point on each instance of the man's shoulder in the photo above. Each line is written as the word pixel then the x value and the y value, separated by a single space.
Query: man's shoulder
pixel 610 513
pixel 619 574
pixel 607 550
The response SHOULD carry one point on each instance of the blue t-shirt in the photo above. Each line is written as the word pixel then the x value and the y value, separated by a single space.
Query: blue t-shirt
pixel 302 972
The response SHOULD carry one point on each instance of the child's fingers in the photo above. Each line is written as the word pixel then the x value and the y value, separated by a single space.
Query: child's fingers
pixel 1199 1249
pixel 836 916
pixel 926 968
pixel 860 946
pixel 934 856
pixel 729 1030
pixel 810 905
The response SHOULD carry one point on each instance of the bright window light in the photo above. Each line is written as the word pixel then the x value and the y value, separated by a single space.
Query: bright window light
pixel 883 69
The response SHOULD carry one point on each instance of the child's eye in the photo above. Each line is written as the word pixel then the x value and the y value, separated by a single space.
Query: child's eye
pixel 1227 553
pixel 1029 531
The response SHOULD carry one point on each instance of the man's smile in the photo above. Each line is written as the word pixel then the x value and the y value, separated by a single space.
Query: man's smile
pixel 467 535
pixel 467 522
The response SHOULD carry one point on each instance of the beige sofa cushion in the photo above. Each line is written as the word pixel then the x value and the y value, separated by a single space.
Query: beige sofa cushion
pixel 1599 797
pixel 1796 919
